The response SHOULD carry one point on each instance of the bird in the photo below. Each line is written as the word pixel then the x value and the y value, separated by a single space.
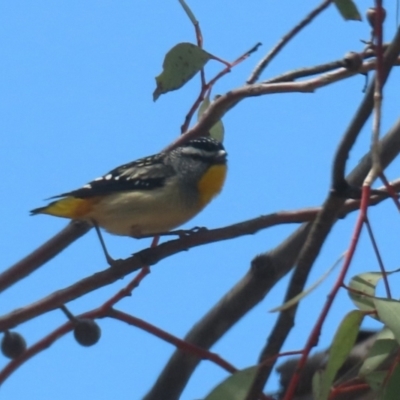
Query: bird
pixel 151 195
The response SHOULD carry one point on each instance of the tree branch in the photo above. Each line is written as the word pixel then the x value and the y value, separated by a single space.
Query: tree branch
pixel 327 217
pixel 215 112
pixel 361 116
pixel 230 99
pixel 265 272
pixel 153 255
pixel 286 39
pixel 73 231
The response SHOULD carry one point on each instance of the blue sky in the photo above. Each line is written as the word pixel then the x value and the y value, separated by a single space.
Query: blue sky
pixel 76 87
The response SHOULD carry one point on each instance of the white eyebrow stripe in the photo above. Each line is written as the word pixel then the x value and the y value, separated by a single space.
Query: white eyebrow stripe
pixel 193 151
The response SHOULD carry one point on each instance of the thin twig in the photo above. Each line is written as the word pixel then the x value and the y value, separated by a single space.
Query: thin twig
pixel 322 226
pixel 285 40
pixel 31 351
pixel 225 102
pixel 151 256
pixel 167 337
pixel 199 39
pixel 216 110
pixel 178 343
pixel 102 312
pixel 378 257
pixel 390 191
pixel 363 113
pixel 315 333
pixel 320 68
pixel 206 87
pixel 378 95
pixel 286 319
pixel 73 231
pixel 265 272
pixel 325 220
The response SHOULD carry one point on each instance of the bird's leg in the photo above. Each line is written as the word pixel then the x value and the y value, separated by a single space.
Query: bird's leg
pixel 109 259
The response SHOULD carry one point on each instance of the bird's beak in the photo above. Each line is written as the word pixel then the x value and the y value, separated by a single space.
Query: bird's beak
pixel 220 157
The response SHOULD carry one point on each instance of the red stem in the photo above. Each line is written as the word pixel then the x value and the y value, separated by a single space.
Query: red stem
pixel 313 338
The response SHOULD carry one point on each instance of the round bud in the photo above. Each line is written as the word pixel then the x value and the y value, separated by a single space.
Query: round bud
pixel 13 344
pixel 372 17
pixel 87 332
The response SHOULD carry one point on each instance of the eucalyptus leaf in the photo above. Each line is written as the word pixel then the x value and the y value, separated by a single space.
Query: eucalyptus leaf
pixel 348 10
pixel 342 344
pixel 383 346
pixel 234 387
pixel 217 131
pixel 180 65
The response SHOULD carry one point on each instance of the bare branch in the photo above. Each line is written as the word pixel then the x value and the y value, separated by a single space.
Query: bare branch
pixel 253 287
pixel 328 215
pixel 225 102
pixel 153 255
pixel 320 68
pixel 363 113
pixel 286 39
pixel 215 112
pixel 265 271
pixel 378 95
pixel 73 231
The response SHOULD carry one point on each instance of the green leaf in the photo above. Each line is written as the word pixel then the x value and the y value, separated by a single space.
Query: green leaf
pixel 365 283
pixel 389 313
pixel 317 384
pixel 343 342
pixel 348 10
pixel 383 346
pixel 376 379
pixel 180 65
pixel 188 12
pixel 217 131
pixel 234 387
pixel 392 388
pixel 294 300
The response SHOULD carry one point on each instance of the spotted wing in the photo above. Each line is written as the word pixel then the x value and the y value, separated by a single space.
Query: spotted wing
pixel 143 174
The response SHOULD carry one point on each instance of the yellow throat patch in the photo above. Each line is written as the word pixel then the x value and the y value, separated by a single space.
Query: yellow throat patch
pixel 211 183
